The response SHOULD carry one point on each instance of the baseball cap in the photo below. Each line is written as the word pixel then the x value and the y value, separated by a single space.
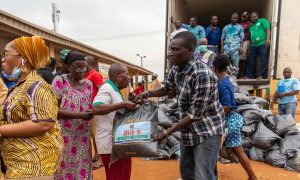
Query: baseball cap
pixel 63 53
pixel 245 13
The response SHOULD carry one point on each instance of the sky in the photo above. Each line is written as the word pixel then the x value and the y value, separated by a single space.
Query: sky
pixel 122 28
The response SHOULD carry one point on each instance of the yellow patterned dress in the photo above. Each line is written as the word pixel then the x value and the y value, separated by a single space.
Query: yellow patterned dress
pixel 33 100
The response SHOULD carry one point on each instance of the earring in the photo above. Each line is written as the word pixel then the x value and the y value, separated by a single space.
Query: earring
pixel 23 68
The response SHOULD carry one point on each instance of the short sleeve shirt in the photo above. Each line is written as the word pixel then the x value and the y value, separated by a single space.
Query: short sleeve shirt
pixel 32 99
pixel 226 93
pixel 291 84
pixel 107 94
pixel 96 78
pixel 258 33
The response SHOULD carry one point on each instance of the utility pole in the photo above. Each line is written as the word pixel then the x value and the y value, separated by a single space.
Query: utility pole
pixel 141 58
pixel 55 16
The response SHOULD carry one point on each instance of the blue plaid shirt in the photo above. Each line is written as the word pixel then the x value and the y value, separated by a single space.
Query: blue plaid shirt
pixel 198 97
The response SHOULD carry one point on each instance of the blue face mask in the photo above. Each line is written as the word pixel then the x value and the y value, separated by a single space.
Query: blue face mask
pixel 16 73
pixel 203 48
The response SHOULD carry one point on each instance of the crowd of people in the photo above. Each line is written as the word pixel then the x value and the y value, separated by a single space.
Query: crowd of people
pixel 48 120
pixel 241 41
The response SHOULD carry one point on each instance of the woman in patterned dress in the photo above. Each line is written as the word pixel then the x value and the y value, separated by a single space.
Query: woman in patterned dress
pixel 32 145
pixel 233 120
pixel 74 93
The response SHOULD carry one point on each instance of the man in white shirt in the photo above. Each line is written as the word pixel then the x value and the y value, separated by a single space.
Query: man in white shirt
pixel 106 103
pixel 179 28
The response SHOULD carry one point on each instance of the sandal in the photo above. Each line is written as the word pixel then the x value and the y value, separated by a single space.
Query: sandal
pixel 96 158
pixel 96 165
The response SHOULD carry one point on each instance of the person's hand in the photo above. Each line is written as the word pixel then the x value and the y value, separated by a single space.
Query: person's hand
pixel 171 94
pixel 161 136
pixel 85 115
pixel 222 51
pixel 212 29
pixel 280 95
pixel 129 105
pixel 140 97
pixel 268 42
pixel 272 105
pixel 172 19
pixel 241 50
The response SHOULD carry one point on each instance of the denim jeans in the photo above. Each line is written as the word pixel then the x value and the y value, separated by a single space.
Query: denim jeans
pixel 262 51
pixel 200 161
pixel 289 108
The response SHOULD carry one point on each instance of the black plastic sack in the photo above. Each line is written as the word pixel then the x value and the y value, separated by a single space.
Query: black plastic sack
pixel 241 99
pixel 251 116
pixel 163 119
pixel 246 107
pixel 133 133
pixel 275 158
pixel 265 113
pixel 292 131
pixel 261 102
pixel 247 143
pixel 284 124
pixel 256 154
pixel 228 155
pixel 160 128
pixel 264 138
pixel 290 143
pixel 271 121
pixel 164 107
pixel 172 141
pixel 177 135
pixel 293 164
pixel 237 89
pixel 249 130
pixel 164 154
pixel 172 105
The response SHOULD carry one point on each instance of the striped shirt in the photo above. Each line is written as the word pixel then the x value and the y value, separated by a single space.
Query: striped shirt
pixel 32 99
pixel 198 98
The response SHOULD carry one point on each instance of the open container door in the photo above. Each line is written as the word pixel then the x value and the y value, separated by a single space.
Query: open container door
pixel 288 54
pixel 274 39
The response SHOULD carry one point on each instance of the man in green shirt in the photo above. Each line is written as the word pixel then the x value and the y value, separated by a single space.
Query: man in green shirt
pixel 260 41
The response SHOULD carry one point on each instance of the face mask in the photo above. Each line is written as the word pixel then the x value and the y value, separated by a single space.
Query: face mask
pixel 17 71
pixel 203 48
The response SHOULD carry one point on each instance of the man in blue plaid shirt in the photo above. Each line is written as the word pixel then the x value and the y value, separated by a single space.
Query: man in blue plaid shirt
pixel 202 116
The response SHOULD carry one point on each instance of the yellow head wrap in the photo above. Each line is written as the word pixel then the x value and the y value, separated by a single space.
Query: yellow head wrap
pixel 33 49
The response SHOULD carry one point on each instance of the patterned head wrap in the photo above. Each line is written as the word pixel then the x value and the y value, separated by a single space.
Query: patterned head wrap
pixel 33 49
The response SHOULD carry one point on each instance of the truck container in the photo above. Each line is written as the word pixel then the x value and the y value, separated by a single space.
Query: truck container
pixel 283 16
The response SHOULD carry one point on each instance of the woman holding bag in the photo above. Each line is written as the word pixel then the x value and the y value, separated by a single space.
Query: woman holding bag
pixel 74 94
pixel 233 120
